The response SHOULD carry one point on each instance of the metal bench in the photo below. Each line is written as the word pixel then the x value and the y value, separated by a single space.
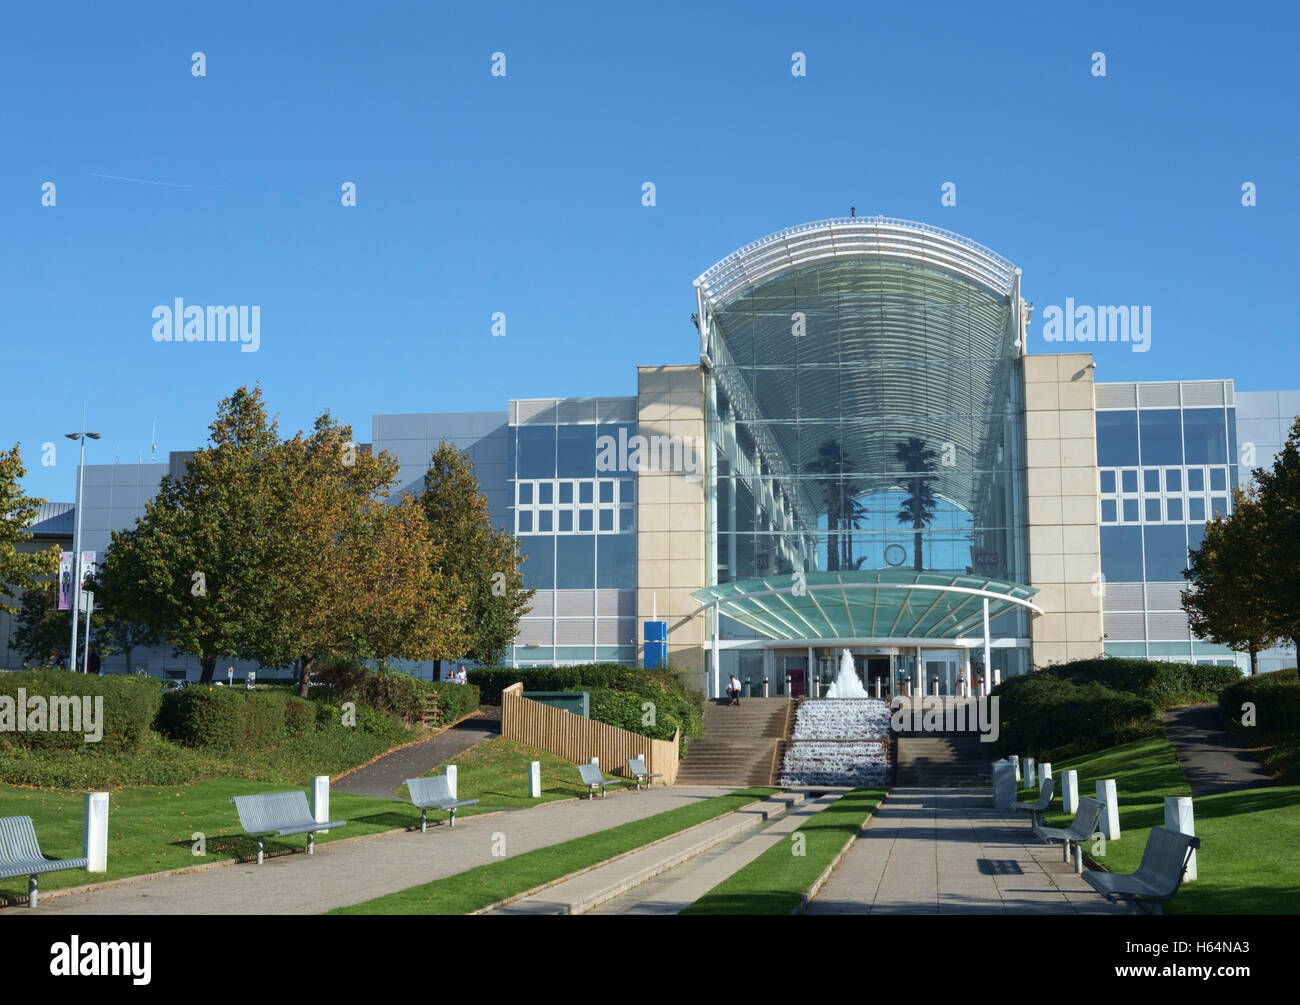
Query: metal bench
pixel 1164 863
pixel 591 777
pixel 434 793
pixel 1080 830
pixel 1035 809
pixel 281 814
pixel 637 766
pixel 20 855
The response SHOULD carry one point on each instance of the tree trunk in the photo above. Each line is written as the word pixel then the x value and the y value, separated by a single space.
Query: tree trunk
pixel 209 665
pixel 1254 661
pixel 305 682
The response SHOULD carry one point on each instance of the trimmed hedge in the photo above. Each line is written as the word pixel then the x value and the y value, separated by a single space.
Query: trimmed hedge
pixel 131 704
pixel 1166 684
pixel 398 694
pixel 1050 717
pixel 233 721
pixel 1276 697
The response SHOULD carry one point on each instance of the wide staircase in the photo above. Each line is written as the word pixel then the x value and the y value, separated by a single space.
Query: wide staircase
pixel 942 761
pixel 739 744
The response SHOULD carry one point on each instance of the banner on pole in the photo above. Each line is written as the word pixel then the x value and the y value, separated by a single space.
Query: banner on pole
pixel 66 572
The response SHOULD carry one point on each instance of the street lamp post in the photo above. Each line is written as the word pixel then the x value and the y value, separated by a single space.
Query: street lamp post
pixel 76 541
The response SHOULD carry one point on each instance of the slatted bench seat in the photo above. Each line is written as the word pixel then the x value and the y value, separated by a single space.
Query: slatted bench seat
pixel 637 766
pixel 281 814
pixel 1160 873
pixel 434 793
pixel 591 777
pixel 20 855
pixel 1080 830
pixel 1036 808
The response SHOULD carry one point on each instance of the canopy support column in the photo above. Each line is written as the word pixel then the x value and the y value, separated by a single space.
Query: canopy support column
pixel 988 651
pixel 713 656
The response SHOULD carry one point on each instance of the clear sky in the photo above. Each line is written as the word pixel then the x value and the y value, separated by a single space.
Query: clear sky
pixel 523 194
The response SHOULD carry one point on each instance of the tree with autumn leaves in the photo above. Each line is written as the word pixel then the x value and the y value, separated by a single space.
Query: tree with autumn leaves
pixel 286 551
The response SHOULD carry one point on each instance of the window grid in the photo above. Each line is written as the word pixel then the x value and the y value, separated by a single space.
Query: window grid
pixel 1164 495
pixel 575 506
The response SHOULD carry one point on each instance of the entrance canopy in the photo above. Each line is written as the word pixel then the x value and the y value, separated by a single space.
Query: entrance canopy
pixel 886 603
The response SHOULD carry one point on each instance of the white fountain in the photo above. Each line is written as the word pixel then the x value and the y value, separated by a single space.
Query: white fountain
pixel 847 685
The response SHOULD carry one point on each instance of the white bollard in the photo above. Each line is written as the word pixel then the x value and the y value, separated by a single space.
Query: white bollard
pixel 320 798
pixel 1178 817
pixel 877 689
pixel 535 780
pixel 1015 760
pixel 1004 784
pixel 1109 799
pixel 1078 859
pixel 94 832
pixel 1031 774
pixel 1045 770
pixel 1069 791
pixel 936 689
pixel 596 761
pixel 450 772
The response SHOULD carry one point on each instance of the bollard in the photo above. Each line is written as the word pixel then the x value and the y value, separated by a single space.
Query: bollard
pixel 749 686
pixel 767 687
pixel 1015 759
pixel 320 798
pixel 1045 770
pixel 595 761
pixel 1109 800
pixel 535 780
pixel 1078 859
pixel 450 772
pixel 1178 817
pixel 1004 784
pixel 877 689
pixel 94 832
pixel 1031 774
pixel 1069 791
pixel 788 692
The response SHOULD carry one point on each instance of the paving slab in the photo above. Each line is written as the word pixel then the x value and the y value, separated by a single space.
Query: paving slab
pixel 351 871
pixel 947 851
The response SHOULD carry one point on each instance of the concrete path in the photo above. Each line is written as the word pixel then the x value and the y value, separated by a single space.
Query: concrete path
pixel 1213 759
pixel 349 872
pixel 676 890
pixel 582 893
pixel 947 851
pixel 383 777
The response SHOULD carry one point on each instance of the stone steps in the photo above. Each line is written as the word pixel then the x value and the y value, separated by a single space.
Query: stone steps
pixel 737 745
pixel 942 761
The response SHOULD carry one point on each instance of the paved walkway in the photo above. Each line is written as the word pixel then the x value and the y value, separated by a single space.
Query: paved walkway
pixel 1213 759
pixel 947 851
pixel 382 778
pixel 349 872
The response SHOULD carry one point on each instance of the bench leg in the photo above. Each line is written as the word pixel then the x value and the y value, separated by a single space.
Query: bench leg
pixel 1065 851
pixel 311 844
pixel 31 891
pixel 259 851
pixel 424 820
pixel 453 816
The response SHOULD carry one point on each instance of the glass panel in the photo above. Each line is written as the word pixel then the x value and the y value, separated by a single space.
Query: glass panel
pixel 1152 508
pixel 1150 479
pixel 1173 480
pixel 545 521
pixel 575 562
pixel 539 569
pixel 1166 553
pixel 566 520
pixel 566 492
pixel 584 520
pixel 576 451
pixel 1130 510
pixel 1196 509
pixel 585 490
pixel 536 456
pixel 1174 508
pixel 1205 433
pixel 546 493
pixel 1107 481
pixel 525 492
pixel 616 562
pixel 1128 480
pixel 606 519
pixel 1162 440
pixel 1121 554
pixel 1219 505
pixel 606 492
pixel 1117 438
pixel 1218 480
pixel 627 519
pixel 525 521
pixel 1196 479
pixel 1109 511
pixel 627 491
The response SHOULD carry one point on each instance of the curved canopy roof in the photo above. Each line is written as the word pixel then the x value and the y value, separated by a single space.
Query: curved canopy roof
pixel 881 604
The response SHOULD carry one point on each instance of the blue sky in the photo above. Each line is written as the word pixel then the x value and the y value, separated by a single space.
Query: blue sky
pixel 522 194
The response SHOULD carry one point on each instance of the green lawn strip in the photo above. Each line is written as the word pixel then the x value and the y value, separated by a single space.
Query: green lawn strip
pixel 150 827
pixel 485 885
pixel 776 881
pixel 1247 862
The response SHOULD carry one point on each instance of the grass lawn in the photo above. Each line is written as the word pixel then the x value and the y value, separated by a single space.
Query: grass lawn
pixel 150 827
pixel 1247 863
pixel 486 884
pixel 776 881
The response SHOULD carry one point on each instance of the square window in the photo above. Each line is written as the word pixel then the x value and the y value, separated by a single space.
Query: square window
pixel 525 521
pixel 627 491
pixel 544 521
pixel 1152 507
pixel 566 492
pixel 566 521
pixel 585 492
pixel 1173 480
pixel 1109 509
pixel 1196 479
pixel 1150 479
pixel 545 493
pixel 1220 505
pixel 1128 479
pixel 1174 507
pixel 626 518
pixel 584 521
pixel 1130 510
pixel 1196 509
pixel 525 492
pixel 1107 482
pixel 1218 479
pixel 607 519
pixel 607 492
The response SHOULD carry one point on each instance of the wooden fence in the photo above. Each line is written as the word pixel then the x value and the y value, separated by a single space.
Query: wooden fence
pixel 579 740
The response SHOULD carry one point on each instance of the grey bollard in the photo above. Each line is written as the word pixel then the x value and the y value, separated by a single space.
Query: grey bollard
pixel 1069 791
pixel 1078 859
pixel 1004 784
pixel 877 689
pixel 749 686
pixel 1015 760
pixel 788 692
pixel 450 772
pixel 1178 817
pixel 535 780
pixel 94 835
pixel 767 687
pixel 1031 774
pixel 1109 800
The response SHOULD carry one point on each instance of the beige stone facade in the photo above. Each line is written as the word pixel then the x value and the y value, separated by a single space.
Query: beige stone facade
pixel 672 515
pixel 1064 517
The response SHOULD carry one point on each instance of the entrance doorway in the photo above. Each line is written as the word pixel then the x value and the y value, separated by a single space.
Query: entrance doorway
pixel 877 670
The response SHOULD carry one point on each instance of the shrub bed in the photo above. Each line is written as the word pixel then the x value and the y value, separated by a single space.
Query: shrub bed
pixel 130 705
pixel 1276 701
pixel 1166 684
pixel 1050 717
pixel 398 694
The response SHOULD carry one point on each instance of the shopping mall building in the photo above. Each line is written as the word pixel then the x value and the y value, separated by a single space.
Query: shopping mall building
pixel 858 454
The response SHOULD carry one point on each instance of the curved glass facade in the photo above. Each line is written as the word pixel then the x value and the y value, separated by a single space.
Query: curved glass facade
pixel 866 414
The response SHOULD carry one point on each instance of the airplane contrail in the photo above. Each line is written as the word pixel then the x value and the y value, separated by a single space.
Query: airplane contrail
pixel 150 181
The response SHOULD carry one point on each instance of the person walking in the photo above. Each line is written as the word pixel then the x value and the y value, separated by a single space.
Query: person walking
pixel 92 661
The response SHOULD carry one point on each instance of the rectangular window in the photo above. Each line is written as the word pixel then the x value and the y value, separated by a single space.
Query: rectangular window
pixel 545 521
pixel 1173 479
pixel 525 493
pixel 1175 509
pixel 1162 436
pixel 575 562
pixel 1130 511
pixel 1128 480
pixel 1196 479
pixel 1107 481
pixel 1196 509
pixel 576 451
pixel 1151 480
pixel 566 493
pixel 1117 438
pixel 1109 511
pixel 586 491
pixel 584 521
pixel 1152 508
pixel 1205 435
pixel 616 562
pixel 546 493
pixel 525 521
pixel 1121 554
pixel 566 521
pixel 536 456
pixel 1166 553
pixel 1218 479
pixel 1220 505
pixel 606 491
pixel 606 520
